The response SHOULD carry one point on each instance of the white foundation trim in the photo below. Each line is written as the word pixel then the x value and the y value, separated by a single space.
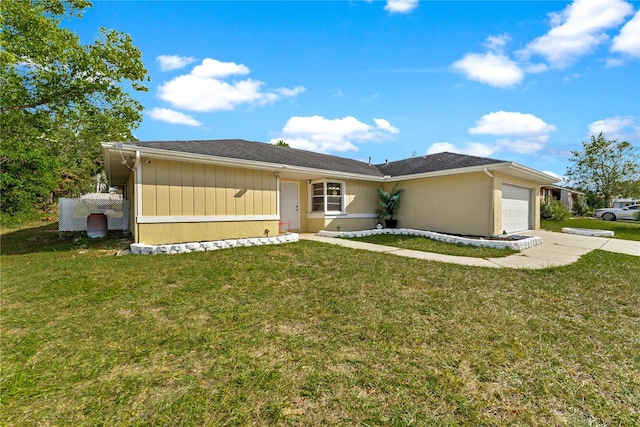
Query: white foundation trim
pixel 205 218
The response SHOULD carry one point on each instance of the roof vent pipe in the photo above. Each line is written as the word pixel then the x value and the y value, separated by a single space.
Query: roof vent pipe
pixel 369 160
pixel 386 161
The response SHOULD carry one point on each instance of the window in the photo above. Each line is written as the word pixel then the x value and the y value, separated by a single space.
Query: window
pixel 327 196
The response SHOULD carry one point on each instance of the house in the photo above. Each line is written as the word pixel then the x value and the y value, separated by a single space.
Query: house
pixel 621 203
pixel 190 191
pixel 566 195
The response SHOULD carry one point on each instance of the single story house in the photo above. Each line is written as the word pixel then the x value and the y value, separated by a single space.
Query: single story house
pixel 566 195
pixel 621 203
pixel 191 191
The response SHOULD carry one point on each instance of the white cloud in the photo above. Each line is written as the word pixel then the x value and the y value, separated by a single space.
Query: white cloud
pixel 173 117
pixel 383 124
pixel 628 41
pixel 471 148
pixel 616 128
pixel 577 30
pixel 290 92
pixel 212 68
pixel 317 133
pixel 401 6
pixel 515 132
pixel 205 90
pixel 497 43
pixel 490 68
pixel 173 62
pixel 510 123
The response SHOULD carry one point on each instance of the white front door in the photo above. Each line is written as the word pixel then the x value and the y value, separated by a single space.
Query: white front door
pixel 289 205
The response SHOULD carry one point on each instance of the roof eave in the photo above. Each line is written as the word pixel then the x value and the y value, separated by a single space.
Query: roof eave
pixel 230 161
pixel 533 174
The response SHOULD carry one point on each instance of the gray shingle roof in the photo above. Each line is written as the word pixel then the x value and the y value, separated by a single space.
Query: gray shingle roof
pixel 433 163
pixel 262 152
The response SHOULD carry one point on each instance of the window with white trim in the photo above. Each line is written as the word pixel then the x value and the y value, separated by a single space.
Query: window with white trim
pixel 327 196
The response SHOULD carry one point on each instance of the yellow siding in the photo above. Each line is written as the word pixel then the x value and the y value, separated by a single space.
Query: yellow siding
pixel 186 189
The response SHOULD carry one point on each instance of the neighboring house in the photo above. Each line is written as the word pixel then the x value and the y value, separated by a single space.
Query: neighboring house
pixel 184 191
pixel 621 203
pixel 566 195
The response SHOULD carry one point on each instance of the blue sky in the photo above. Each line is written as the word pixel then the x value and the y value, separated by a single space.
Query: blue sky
pixel 511 80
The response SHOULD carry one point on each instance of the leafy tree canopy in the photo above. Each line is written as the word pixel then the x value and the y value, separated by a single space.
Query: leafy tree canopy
pixel 60 98
pixel 608 168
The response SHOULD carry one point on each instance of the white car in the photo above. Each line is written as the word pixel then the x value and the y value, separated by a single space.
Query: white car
pixel 612 214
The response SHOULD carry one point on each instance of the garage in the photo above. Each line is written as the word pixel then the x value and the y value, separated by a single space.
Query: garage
pixel 516 208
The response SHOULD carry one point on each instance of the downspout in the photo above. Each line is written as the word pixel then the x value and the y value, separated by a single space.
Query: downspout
pixel 492 225
pixel 278 194
pixel 138 171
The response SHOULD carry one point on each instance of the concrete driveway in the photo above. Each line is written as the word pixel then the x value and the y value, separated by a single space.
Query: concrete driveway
pixel 557 249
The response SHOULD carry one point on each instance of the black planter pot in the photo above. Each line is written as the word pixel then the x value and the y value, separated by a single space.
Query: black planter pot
pixel 391 223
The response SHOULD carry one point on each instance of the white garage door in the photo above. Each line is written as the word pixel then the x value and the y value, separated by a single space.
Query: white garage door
pixel 516 208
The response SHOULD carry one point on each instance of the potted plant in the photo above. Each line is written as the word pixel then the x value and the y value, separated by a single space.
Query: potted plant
pixel 389 205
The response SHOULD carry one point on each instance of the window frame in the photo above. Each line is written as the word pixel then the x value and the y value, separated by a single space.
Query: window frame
pixel 326 197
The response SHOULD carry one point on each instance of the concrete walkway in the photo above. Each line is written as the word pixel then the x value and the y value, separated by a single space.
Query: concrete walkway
pixel 557 249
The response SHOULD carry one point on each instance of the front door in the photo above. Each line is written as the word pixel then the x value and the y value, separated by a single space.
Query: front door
pixel 289 205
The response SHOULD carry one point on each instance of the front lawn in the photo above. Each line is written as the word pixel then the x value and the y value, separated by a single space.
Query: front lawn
pixel 425 244
pixel 627 230
pixel 311 334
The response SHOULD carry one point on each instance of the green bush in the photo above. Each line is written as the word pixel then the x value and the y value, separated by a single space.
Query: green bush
pixel 580 206
pixel 553 210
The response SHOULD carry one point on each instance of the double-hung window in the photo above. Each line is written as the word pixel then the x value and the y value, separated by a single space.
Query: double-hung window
pixel 327 196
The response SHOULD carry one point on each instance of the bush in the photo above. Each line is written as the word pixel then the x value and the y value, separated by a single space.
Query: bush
pixel 553 210
pixel 580 206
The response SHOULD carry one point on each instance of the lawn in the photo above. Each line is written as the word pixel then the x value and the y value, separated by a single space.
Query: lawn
pixel 425 244
pixel 628 230
pixel 311 334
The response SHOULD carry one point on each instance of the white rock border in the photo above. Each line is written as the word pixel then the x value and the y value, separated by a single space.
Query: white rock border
pixel 185 248
pixel 518 245
pixel 588 232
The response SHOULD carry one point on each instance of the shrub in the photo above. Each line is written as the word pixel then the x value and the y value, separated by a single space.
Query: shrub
pixel 580 206
pixel 553 210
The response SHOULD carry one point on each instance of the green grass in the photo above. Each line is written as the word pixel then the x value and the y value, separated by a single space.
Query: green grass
pixel 627 230
pixel 424 244
pixel 311 334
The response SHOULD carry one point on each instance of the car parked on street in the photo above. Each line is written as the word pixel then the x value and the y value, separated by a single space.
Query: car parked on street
pixel 612 214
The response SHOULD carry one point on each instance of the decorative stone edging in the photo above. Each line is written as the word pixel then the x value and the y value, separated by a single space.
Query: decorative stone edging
pixel 588 232
pixel 185 248
pixel 518 245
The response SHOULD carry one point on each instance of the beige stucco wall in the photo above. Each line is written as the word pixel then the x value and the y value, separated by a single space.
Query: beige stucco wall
pixel 185 189
pixel 458 204
pixel 162 233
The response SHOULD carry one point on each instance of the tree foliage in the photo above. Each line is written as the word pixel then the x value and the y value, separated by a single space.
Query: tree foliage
pixel 608 168
pixel 60 98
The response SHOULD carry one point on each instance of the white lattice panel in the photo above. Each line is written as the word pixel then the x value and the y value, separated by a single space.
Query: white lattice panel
pixel 73 213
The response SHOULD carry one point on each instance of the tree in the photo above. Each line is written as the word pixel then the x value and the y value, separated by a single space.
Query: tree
pixel 281 143
pixel 608 168
pixel 60 98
